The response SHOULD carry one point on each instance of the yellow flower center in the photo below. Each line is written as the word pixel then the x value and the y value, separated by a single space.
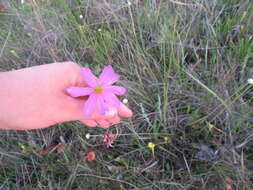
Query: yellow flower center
pixel 98 89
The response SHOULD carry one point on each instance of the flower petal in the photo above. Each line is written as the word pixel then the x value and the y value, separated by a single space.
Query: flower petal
pixel 88 77
pixel 90 156
pixel 111 99
pixel 108 76
pixel 90 105
pixel 79 91
pixel 118 90
pixel 101 105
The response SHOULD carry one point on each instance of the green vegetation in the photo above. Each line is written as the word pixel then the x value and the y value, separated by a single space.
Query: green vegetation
pixel 185 64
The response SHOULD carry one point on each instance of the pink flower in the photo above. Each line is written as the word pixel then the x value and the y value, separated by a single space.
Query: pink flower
pixel 100 90
pixel 108 139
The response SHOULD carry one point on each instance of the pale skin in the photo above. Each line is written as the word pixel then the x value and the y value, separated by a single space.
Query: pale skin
pixel 36 97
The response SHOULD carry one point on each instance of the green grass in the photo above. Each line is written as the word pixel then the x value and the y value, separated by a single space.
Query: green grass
pixel 186 68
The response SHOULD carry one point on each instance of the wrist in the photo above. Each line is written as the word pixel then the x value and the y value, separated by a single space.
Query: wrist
pixel 3 88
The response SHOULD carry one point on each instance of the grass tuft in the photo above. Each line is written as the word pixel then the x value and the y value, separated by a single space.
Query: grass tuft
pixel 185 65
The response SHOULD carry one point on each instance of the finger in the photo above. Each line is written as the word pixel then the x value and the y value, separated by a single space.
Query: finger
pixel 75 110
pixel 103 123
pixel 114 120
pixel 124 111
pixel 79 81
pixel 110 113
pixel 89 123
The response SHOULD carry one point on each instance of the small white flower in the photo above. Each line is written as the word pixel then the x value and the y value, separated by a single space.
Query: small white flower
pixel 99 29
pixel 125 101
pixel 81 16
pixel 87 136
pixel 250 81
pixel 129 3
pixel 22 1
pixel 62 139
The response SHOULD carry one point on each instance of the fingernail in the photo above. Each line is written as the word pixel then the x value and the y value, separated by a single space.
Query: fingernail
pixel 110 113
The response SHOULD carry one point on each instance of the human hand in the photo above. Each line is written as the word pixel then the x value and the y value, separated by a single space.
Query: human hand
pixel 36 97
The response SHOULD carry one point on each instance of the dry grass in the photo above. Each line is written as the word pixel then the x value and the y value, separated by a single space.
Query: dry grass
pixel 185 64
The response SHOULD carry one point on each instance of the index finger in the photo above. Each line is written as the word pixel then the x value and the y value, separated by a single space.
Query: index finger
pixel 124 111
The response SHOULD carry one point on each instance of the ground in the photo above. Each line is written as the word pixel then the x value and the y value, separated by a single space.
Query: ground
pixel 185 64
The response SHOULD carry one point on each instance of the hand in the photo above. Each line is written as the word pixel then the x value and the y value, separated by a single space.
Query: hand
pixel 36 97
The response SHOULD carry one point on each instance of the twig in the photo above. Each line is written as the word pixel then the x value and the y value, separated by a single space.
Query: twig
pixel 5 42
pixel 108 178
pixel 245 142
pixel 189 4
